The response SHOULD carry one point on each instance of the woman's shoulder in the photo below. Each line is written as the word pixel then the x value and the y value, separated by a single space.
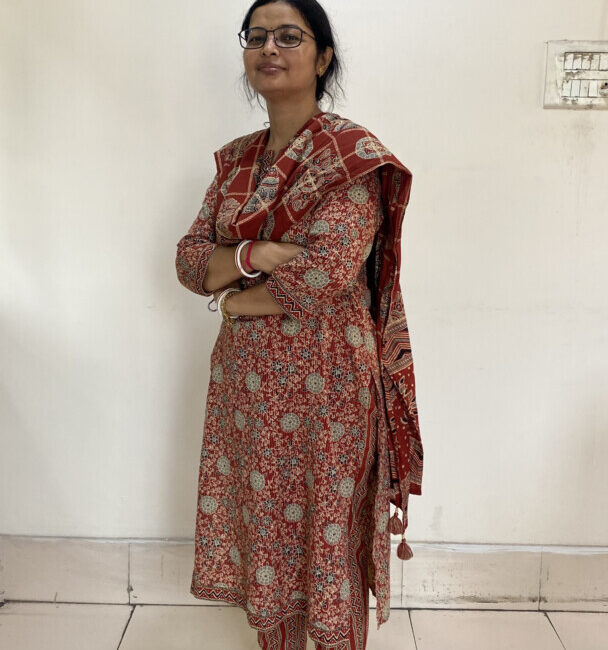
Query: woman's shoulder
pixel 339 125
pixel 235 148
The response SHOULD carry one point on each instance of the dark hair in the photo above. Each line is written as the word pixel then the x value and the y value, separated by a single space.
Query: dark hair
pixel 321 28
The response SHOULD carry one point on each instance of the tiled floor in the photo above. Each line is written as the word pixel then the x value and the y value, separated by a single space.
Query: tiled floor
pixel 61 626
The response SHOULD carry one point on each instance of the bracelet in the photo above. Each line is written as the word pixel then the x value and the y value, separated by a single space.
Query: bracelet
pixel 247 258
pixel 220 304
pixel 237 260
pixel 228 317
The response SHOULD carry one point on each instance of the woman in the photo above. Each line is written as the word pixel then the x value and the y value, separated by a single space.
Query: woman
pixel 311 426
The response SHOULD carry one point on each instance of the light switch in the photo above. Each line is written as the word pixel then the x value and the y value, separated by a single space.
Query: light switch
pixel 576 74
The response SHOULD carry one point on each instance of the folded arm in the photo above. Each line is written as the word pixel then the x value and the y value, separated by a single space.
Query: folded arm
pixel 339 239
pixel 300 279
pixel 205 267
pixel 196 247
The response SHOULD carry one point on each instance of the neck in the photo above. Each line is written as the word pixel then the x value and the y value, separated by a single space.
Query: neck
pixel 286 120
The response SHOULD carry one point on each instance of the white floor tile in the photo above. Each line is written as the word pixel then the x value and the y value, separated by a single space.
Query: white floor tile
pixel 581 630
pixel 174 627
pixel 395 634
pixel 483 630
pixel 50 626
pixel 168 627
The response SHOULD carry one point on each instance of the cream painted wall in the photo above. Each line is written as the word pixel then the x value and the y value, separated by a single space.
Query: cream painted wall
pixel 110 114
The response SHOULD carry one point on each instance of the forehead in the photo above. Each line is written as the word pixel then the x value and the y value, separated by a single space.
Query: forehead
pixel 275 14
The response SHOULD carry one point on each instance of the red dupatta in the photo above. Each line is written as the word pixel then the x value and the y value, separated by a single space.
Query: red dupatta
pixel 326 152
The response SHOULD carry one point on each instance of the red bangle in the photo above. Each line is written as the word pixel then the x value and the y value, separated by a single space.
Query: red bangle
pixel 249 247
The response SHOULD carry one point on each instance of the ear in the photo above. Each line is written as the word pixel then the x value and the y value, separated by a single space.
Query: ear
pixel 327 56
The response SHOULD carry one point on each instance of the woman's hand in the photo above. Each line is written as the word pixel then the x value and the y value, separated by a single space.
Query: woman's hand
pixel 266 255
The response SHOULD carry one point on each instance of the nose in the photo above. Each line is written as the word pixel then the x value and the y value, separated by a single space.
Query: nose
pixel 267 43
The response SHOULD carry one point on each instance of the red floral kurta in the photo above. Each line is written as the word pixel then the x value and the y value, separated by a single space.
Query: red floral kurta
pixel 293 482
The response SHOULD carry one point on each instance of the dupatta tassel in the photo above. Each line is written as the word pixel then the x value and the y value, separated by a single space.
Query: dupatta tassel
pixel 404 550
pixel 395 525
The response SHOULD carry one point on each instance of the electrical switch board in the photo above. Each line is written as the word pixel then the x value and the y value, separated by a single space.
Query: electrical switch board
pixel 576 75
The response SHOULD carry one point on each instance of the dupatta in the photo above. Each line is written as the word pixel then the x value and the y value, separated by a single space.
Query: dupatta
pixel 326 152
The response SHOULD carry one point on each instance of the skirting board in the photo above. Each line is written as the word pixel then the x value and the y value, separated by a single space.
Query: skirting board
pixel 443 576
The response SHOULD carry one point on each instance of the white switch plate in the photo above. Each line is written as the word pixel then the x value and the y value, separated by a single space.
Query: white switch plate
pixel 576 74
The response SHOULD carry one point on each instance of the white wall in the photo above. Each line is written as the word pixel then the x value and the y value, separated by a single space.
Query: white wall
pixel 110 114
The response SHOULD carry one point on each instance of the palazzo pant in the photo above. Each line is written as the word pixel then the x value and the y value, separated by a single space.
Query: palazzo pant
pixel 290 634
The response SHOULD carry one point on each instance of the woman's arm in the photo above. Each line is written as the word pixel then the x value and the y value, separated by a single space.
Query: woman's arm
pixel 203 266
pixel 194 249
pixel 256 300
pixel 265 256
pixel 221 269
pixel 340 237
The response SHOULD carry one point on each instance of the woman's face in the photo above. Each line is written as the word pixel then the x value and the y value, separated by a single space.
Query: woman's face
pixel 297 74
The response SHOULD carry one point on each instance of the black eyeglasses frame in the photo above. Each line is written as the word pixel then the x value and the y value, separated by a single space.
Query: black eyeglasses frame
pixel 286 47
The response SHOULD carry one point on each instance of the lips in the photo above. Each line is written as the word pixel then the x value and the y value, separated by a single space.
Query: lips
pixel 269 67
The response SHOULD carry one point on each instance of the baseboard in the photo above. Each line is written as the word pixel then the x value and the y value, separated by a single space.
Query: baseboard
pixel 449 576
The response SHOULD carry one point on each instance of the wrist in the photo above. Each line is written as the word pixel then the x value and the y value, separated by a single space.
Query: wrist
pixel 229 305
pixel 247 252
pixel 243 257
pixel 254 255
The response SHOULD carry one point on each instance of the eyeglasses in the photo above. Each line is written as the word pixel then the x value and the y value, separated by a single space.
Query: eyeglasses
pixel 284 36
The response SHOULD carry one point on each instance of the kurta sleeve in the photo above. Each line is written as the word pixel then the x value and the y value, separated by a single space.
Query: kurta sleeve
pixel 340 234
pixel 195 248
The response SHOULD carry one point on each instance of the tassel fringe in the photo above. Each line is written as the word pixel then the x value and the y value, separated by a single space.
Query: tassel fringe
pixel 404 550
pixel 397 527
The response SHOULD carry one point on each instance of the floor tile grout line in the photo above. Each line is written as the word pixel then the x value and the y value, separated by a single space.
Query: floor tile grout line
pixel 556 632
pixel 409 615
pixel 409 608
pixel 124 631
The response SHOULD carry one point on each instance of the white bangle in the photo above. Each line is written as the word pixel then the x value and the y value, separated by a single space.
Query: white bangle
pixel 237 260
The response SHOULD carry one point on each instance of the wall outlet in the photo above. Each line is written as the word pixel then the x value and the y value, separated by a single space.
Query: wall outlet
pixel 576 74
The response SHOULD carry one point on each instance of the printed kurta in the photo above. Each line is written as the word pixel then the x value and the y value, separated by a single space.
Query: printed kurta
pixel 293 482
